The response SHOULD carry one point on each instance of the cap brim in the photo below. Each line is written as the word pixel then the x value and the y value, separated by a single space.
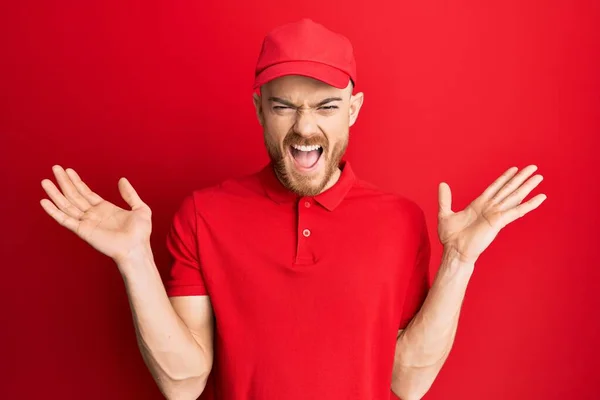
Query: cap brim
pixel 322 72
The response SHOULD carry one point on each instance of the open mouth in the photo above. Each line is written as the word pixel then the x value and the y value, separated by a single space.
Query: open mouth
pixel 306 157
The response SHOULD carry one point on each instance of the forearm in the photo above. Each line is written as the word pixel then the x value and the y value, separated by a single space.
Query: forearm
pixel 177 362
pixel 424 345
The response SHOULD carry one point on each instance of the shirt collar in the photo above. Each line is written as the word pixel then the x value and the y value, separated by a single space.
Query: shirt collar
pixel 329 199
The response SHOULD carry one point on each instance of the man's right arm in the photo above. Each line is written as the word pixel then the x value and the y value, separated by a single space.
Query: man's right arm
pixel 175 335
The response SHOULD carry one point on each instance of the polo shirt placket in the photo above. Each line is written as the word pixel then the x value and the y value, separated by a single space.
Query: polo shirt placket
pixel 306 222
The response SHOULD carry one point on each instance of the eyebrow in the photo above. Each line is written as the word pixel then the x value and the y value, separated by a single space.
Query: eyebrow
pixel 290 104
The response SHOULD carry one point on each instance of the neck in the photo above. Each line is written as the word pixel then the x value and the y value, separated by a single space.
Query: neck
pixel 332 181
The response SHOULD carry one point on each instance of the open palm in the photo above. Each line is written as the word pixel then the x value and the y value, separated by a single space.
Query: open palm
pixel 113 231
pixel 473 229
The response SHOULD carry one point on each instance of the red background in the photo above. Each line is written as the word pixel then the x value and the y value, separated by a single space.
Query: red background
pixel 161 92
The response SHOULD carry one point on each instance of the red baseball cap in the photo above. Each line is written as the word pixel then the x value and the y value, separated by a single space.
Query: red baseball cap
pixel 309 49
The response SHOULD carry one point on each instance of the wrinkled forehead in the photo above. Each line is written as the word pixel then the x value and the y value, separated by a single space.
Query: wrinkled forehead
pixel 301 89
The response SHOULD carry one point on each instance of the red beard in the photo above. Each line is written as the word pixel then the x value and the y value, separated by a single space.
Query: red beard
pixel 301 184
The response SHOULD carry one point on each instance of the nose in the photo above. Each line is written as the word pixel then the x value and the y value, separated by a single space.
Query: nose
pixel 306 124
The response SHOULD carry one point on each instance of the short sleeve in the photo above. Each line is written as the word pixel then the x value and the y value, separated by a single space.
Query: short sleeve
pixel 418 285
pixel 185 277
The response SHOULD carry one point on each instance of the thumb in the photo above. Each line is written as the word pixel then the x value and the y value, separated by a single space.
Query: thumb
pixel 129 194
pixel 445 200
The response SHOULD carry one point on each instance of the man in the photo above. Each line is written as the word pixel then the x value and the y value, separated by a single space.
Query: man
pixel 300 281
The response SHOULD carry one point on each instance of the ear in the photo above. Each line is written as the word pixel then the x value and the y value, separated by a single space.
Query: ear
pixel 356 102
pixel 258 106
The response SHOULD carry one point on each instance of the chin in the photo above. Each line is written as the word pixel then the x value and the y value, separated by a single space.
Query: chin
pixel 306 183
pixel 300 179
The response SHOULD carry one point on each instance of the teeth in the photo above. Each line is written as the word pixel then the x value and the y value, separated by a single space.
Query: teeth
pixel 306 148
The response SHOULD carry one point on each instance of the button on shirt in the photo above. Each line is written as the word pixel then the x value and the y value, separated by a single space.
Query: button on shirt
pixel 308 293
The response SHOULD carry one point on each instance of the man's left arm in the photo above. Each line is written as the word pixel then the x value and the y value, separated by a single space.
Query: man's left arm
pixel 424 345
pixel 422 348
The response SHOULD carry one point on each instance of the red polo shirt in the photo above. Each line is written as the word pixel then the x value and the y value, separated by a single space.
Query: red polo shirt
pixel 308 292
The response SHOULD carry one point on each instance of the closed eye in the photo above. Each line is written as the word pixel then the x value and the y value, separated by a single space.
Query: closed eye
pixel 324 108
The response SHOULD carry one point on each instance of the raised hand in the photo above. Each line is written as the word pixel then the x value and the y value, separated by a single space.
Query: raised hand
pixel 470 231
pixel 113 231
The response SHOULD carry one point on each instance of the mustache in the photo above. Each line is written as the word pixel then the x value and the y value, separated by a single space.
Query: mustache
pixel 295 139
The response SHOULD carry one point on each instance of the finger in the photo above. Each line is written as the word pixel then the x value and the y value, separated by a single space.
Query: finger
pixel 522 209
pixel 69 190
pixel 498 183
pixel 514 183
pixel 129 194
pixel 63 204
pixel 59 216
pixel 518 195
pixel 83 189
pixel 445 199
